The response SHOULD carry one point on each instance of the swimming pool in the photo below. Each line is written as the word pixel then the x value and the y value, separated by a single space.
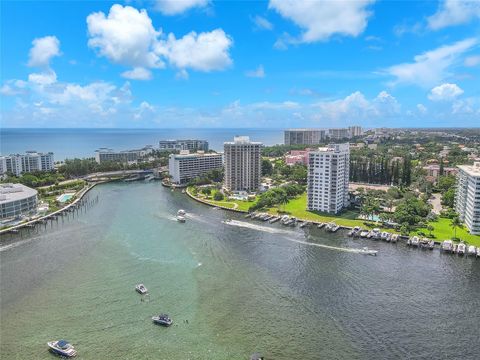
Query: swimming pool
pixel 64 197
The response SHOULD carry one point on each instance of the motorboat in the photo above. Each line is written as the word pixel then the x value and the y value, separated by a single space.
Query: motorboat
pixel 62 348
pixel 388 237
pixel 431 244
pixel 384 235
pixel 335 228
pixel 369 234
pixel 461 248
pixel 181 218
pixel 354 231
pixel 162 319
pixel 305 223
pixel 367 251
pixel 181 212
pixel 376 233
pixel 394 238
pixel 478 251
pixel 364 233
pixel 141 289
pixel 447 246
pixel 274 219
pixel 415 240
pixel 471 250
pixel 321 225
pixel 423 243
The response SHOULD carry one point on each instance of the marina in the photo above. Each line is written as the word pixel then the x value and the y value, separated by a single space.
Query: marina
pixel 211 273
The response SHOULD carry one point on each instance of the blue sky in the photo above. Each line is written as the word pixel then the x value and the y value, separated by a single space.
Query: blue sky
pixel 277 63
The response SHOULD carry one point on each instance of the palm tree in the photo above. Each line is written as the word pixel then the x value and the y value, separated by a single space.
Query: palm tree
pixel 430 228
pixel 454 224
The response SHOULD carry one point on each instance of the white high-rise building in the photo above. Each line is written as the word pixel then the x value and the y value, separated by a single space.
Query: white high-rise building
pixel 125 156
pixel 184 167
pixel 243 164
pixel 31 161
pixel 338 134
pixel 467 196
pixel 177 145
pixel 328 171
pixel 355 131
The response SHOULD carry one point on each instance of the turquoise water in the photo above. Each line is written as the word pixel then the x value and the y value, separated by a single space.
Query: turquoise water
pixel 64 197
pixel 247 288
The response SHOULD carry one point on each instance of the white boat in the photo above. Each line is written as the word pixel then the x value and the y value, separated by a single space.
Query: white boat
pixel 461 248
pixel 274 219
pixel 162 319
pixel 384 235
pixel 478 251
pixel 394 238
pixel 447 246
pixel 367 251
pixel 354 231
pixel 62 348
pixel 181 212
pixel 471 250
pixel 321 225
pixel 364 233
pixel 431 244
pixel 181 218
pixel 415 241
pixel 141 289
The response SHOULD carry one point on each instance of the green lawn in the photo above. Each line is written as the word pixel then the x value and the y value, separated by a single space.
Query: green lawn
pixel 298 208
pixel 443 231
pixel 241 205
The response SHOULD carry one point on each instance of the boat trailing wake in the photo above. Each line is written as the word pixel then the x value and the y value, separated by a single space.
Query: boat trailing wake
pixel 285 232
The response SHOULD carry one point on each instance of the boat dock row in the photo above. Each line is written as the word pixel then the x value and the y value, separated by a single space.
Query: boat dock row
pixel 293 221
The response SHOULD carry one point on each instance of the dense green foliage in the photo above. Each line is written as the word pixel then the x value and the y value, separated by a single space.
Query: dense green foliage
pixel 411 211
pixel 374 168
pixel 213 176
pixel 39 178
pixel 281 150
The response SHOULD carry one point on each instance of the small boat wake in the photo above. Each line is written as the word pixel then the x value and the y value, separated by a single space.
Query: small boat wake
pixel 247 225
pixel 286 232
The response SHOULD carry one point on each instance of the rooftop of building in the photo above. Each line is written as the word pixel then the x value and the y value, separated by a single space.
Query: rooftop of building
pixel 304 129
pixel 472 170
pixel 12 192
pixel 333 148
pixel 30 153
pixel 108 150
pixel 240 140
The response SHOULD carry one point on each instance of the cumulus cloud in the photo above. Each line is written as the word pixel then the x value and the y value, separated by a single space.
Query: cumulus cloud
pixel 138 73
pixel 261 23
pixel 206 51
pixel 43 50
pixel 320 20
pixel 433 66
pixel 44 78
pixel 175 7
pixel 454 12
pixel 259 72
pixel 445 92
pixel 126 36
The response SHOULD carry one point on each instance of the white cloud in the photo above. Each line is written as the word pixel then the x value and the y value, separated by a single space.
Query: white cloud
pixel 257 73
pixel 261 23
pixel 182 74
pixel 454 12
pixel 422 109
pixel 322 19
pixel 127 37
pixel 431 67
pixel 206 51
pixel 445 92
pixel 44 78
pixel 175 7
pixel 472 61
pixel 138 73
pixel 43 50
pixel 144 110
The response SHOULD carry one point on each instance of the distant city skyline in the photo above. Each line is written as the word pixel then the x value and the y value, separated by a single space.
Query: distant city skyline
pixel 230 64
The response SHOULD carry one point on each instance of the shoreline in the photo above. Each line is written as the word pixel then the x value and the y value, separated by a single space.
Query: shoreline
pixel 83 192
pixel 213 205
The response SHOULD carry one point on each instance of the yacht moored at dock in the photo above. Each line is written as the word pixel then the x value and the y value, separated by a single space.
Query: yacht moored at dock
pixel 461 248
pixel 62 348
pixel 162 319
pixel 394 238
pixel 478 252
pixel 364 233
pixel 447 246
pixel 354 231
pixel 471 250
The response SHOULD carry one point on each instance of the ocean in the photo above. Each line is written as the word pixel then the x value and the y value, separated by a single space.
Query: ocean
pixel 70 143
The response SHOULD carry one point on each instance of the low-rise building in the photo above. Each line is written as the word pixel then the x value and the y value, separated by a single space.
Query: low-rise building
pixel 467 196
pixel 433 171
pixel 126 156
pixel 17 200
pixel 31 161
pixel 178 145
pixel 297 157
pixel 185 166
